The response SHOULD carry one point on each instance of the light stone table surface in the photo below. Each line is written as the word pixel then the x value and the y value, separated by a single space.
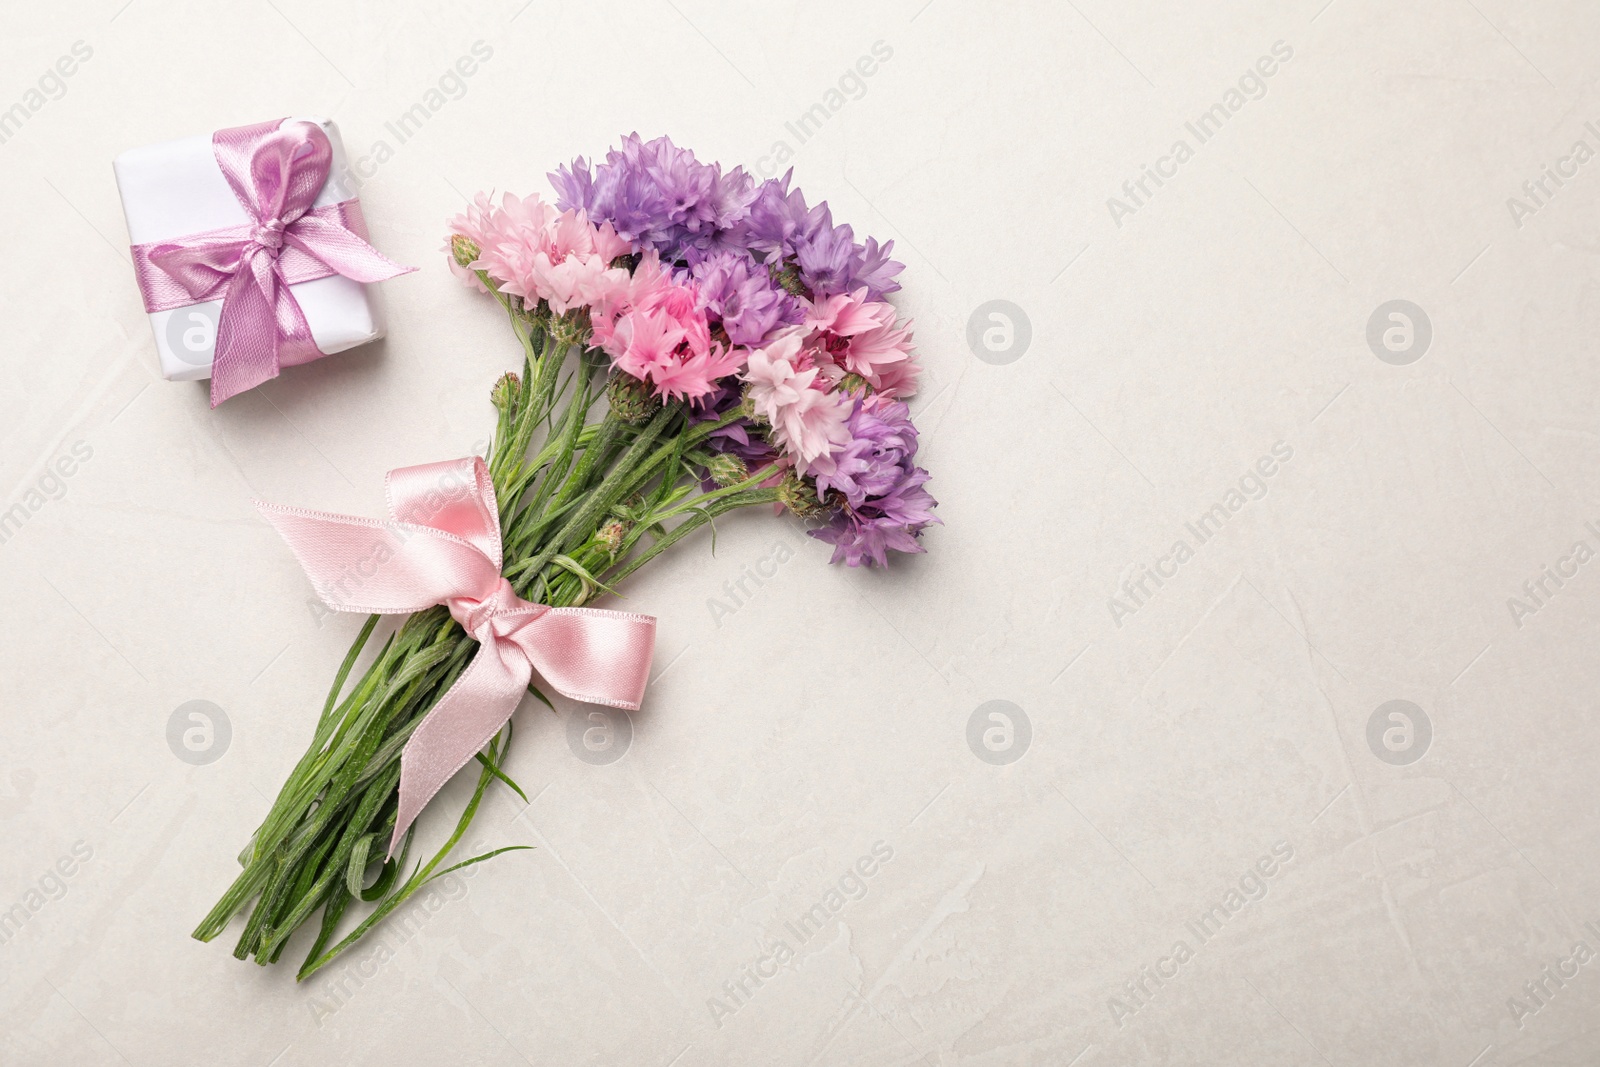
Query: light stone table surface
pixel 1271 501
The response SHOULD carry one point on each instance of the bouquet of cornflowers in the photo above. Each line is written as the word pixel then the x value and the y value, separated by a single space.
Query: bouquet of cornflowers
pixel 746 356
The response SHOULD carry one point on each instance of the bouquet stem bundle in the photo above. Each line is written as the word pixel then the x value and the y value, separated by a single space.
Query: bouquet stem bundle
pixel 588 509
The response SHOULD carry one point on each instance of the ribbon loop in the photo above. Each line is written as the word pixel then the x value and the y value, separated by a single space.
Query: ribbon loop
pixel 442 546
pixel 276 170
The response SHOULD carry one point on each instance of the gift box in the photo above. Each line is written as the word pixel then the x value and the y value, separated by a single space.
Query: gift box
pixel 262 216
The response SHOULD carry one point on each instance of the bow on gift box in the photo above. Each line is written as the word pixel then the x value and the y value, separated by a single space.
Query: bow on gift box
pixel 276 169
pixel 442 546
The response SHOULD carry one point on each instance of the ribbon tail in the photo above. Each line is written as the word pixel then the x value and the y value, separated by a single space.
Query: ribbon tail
pixel 247 330
pixel 464 720
pixel 342 249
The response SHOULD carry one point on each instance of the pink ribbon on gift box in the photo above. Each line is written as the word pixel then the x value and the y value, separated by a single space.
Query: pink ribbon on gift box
pixel 442 546
pixel 276 169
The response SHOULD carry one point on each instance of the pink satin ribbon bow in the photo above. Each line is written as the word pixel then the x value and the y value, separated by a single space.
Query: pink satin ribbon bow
pixel 442 546
pixel 276 169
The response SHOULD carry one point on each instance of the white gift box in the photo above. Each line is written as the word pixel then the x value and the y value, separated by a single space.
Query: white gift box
pixel 175 189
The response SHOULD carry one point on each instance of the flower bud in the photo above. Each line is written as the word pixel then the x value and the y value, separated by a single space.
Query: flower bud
pixel 611 535
pixel 726 468
pixel 788 277
pixel 507 392
pixel 630 398
pixel 855 385
pixel 799 495
pixel 463 249
pixel 747 409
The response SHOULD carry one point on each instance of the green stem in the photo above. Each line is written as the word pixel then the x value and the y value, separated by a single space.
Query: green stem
pixel 597 503
pixel 417 880
pixel 748 498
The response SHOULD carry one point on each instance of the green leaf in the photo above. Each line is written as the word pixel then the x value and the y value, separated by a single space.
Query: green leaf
pixel 710 520
pixel 391 871
pixel 475 859
pixel 498 773
pixel 567 563
pixel 355 873
pixel 349 661
pixel 331 913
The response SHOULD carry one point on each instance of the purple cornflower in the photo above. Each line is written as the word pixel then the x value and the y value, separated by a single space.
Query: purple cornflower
pixel 779 223
pixel 782 227
pixel 742 294
pixel 884 505
pixel 893 521
pixel 883 446
pixel 657 195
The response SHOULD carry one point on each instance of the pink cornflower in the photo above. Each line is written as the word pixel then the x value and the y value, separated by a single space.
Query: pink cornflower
pixel 655 329
pixel 854 335
pixel 474 224
pixel 538 253
pixel 808 421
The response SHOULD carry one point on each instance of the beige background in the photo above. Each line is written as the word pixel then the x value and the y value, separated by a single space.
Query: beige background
pixel 1174 741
